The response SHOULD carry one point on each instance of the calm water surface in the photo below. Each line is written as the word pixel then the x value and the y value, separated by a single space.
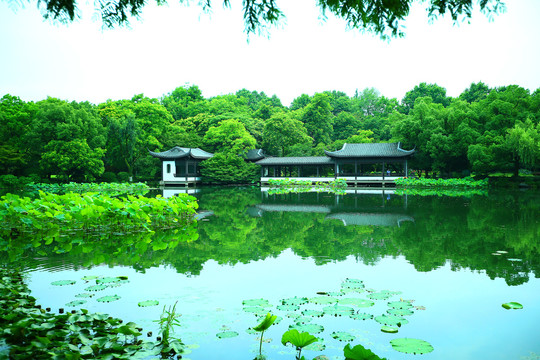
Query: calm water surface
pixel 459 258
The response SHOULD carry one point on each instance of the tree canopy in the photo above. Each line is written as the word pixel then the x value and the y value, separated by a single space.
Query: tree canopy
pixel 383 18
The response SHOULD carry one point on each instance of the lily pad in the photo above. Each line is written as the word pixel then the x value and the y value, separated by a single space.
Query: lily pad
pixel 389 329
pixel 294 301
pixel 117 283
pixel 361 316
pixel 288 307
pixel 147 303
pixel 226 334
pixel 107 280
pixel 391 320
pixel 309 328
pixel 320 300
pixel 352 284
pixel 109 298
pixel 512 305
pixel 335 293
pixel 342 336
pixel 400 305
pixel 411 346
pixel 381 295
pixel 400 312
pixel 337 310
pixel 76 303
pixel 316 346
pixel 84 295
pixel 63 282
pixel 312 313
pixel 256 302
pixel 356 302
pixel 303 319
pixel 96 287
pixel 255 310
pixel 89 277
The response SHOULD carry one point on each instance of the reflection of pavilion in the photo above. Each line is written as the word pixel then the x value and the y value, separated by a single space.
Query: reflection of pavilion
pixel 170 192
pixel 360 210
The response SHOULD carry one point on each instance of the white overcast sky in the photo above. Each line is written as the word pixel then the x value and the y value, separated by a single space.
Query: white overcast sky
pixel 175 45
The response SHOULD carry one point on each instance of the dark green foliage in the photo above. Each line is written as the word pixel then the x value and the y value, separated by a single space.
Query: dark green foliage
pixel 227 169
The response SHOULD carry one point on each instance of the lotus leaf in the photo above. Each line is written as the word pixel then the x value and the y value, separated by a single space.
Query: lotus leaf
pixel 266 322
pixel 226 334
pixel 359 353
pixel 148 303
pixel 411 346
pixel 310 328
pixel 313 313
pixel 303 319
pixel 107 280
pixel 400 312
pixel 335 293
pixel 96 287
pixel 316 346
pixel 338 310
pixel 251 331
pixel 342 336
pixel 109 298
pixel 320 300
pixel 84 295
pixel 76 303
pixel 256 302
pixel 352 284
pixel 297 339
pixel 382 295
pixel 356 301
pixel 288 307
pixel 294 301
pixel 391 320
pixel 512 305
pixel 118 283
pixel 293 315
pixel 389 329
pixel 400 305
pixel 361 316
pixel 255 310
pixel 89 277
pixel 63 282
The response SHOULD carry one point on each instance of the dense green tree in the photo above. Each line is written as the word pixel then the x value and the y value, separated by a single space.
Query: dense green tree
pixel 523 141
pixel 318 119
pixel 384 18
pixel 230 137
pixel 436 92
pixel 228 167
pixel 300 102
pixel 475 92
pixel 72 160
pixel 281 132
pixel 345 125
pixel 183 101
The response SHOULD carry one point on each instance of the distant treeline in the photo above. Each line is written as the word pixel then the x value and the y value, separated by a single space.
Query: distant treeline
pixel 484 130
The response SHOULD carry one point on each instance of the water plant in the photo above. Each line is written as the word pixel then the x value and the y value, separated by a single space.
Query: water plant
pixel 512 305
pixel 168 320
pixel 298 340
pixel 262 327
pixel 359 353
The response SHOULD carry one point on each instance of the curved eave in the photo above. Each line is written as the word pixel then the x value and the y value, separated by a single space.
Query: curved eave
pixel 165 156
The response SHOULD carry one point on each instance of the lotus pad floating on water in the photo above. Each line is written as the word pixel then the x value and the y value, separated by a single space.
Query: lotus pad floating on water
pixel 147 303
pixel 313 313
pixel 294 301
pixel 288 307
pixel 323 300
pixel 256 302
pixel 356 302
pixel 89 277
pixel 391 320
pixel 400 312
pixel 84 295
pixel 309 328
pixel 512 305
pixel 76 303
pixel 108 280
pixel 411 346
pixel 227 334
pixel 96 287
pixel 63 282
pixel 342 336
pixel 316 346
pixel 255 310
pixel 361 316
pixel 352 284
pixel 338 310
pixel 110 298
pixel 400 305
pixel 381 295
pixel 389 329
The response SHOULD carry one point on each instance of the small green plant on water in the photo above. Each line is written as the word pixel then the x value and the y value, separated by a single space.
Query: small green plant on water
pixel 299 340
pixel 359 353
pixel 168 320
pixel 262 327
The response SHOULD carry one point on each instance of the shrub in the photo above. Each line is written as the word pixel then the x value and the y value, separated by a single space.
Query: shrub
pixel 123 176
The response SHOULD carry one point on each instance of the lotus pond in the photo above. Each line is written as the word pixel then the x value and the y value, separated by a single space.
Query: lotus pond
pixel 460 274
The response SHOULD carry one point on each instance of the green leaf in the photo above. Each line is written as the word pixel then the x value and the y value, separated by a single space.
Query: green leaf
pixel 148 303
pixel 389 329
pixel 266 322
pixel 342 336
pixel 227 334
pixel 63 282
pixel 512 305
pixel 297 339
pixel 411 346
pixel 109 298
pixel 359 353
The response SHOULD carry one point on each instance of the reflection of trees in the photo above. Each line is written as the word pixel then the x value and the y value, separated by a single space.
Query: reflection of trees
pixel 462 231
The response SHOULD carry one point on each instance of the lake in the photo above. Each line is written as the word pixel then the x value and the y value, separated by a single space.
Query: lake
pixel 453 259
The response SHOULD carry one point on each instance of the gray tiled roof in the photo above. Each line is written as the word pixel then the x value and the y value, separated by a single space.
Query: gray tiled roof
pixel 296 160
pixel 178 152
pixel 370 150
pixel 254 155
